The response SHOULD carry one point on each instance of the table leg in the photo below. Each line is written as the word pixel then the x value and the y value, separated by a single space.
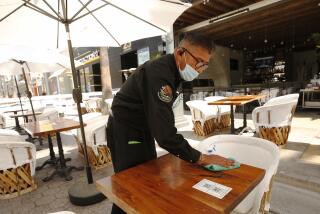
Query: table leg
pixel 303 100
pixel 52 154
pixel 53 159
pixel 63 170
pixel 61 155
pixel 244 128
pixel 17 123
pixel 232 119
pixel 244 116
pixel 16 119
pixel 30 139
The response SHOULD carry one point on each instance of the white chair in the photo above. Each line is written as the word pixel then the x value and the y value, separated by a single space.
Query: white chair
pixel 68 108
pixel 283 99
pixel 7 121
pixel 12 138
pixel 96 140
pixel 88 117
pixel 204 117
pixel 263 100
pixel 17 168
pixel 8 132
pixel 109 103
pixel 37 106
pixel 270 94
pixel 224 112
pixel 48 113
pixel 273 92
pixel 93 105
pixel 273 121
pixel 2 123
pixel 251 151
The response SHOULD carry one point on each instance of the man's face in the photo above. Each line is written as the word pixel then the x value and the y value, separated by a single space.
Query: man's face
pixel 195 56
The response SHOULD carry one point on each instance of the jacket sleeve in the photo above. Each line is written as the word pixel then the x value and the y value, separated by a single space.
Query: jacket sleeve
pixel 155 93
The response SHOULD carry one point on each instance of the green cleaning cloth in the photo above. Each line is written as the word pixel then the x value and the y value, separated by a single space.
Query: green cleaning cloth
pixel 216 168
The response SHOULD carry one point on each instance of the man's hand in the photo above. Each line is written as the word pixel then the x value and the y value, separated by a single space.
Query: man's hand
pixel 214 159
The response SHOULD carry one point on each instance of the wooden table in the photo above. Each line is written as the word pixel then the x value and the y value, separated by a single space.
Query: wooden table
pixel 17 128
pixel 25 115
pixel 48 128
pixel 309 103
pixel 164 185
pixel 237 101
pixel 15 111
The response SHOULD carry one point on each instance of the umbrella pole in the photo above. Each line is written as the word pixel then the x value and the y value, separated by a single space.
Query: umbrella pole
pixel 81 194
pixel 18 93
pixel 29 95
pixel 79 80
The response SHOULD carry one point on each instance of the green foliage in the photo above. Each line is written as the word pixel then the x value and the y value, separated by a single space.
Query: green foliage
pixel 316 38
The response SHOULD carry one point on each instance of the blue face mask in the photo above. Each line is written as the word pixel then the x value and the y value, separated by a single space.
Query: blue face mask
pixel 188 73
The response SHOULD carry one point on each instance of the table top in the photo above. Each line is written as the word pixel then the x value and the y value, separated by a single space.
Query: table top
pixel 25 114
pixel 237 100
pixel 13 111
pixel 310 90
pixel 45 127
pixel 164 185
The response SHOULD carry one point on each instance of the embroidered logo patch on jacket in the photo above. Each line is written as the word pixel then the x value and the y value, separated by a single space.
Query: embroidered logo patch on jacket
pixel 165 94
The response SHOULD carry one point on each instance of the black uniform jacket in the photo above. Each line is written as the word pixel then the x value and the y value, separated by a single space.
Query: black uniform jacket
pixel 145 102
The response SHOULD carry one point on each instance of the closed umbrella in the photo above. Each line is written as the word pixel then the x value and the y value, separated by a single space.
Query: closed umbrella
pixel 89 23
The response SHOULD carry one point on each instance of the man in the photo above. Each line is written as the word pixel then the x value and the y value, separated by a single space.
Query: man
pixel 142 109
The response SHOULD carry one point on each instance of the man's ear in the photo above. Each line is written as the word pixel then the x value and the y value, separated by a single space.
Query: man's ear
pixel 180 51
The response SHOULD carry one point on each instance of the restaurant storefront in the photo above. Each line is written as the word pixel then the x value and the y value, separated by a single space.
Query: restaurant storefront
pixel 259 44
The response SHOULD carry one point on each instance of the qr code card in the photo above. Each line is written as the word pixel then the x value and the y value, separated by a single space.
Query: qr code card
pixel 212 188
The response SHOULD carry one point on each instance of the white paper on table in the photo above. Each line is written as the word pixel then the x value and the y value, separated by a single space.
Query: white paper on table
pixel 212 188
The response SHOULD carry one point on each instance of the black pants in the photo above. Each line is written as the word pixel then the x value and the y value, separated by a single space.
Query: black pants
pixel 129 147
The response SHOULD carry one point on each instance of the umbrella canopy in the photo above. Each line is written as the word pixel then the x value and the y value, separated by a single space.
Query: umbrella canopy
pixel 87 23
pixel 38 60
pixel 21 59
pixel 92 23
pixel 11 67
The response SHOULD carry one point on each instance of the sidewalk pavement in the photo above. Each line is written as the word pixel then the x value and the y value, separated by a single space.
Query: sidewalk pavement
pixel 296 187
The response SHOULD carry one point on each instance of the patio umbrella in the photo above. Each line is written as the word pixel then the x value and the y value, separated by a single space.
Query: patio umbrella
pixel 22 59
pixel 92 23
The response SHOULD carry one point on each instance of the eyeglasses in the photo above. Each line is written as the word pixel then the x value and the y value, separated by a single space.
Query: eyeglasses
pixel 200 65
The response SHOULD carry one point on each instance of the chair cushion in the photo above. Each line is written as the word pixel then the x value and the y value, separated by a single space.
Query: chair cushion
pixel 14 154
pixel 201 111
pixel 8 132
